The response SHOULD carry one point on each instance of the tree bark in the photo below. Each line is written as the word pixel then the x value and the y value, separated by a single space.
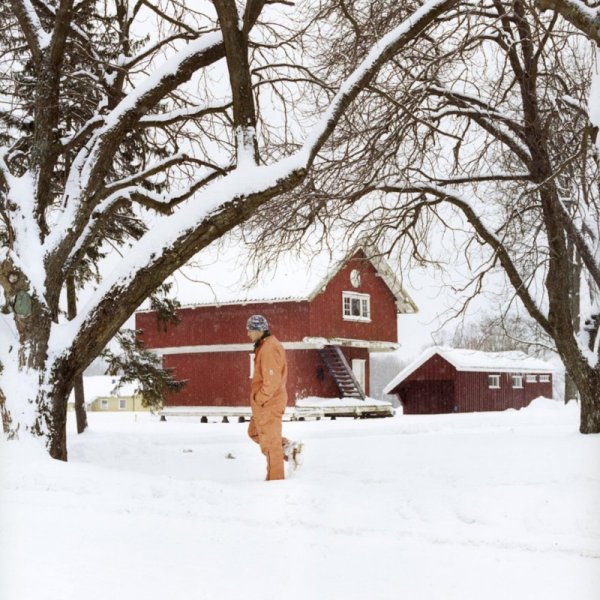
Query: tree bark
pixel 80 413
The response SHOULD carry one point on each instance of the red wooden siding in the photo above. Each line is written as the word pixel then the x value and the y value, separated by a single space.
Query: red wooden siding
pixel 326 313
pixel 434 369
pixel 430 397
pixel 474 394
pixel 437 387
pixel 210 325
pixel 223 378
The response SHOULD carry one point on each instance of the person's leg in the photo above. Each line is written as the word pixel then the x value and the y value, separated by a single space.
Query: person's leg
pixel 286 445
pixel 269 428
pixel 253 430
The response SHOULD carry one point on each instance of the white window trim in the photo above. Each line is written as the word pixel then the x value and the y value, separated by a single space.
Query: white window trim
pixel 104 404
pixel 530 378
pixel 493 387
pixel 356 296
pixel 520 378
pixel 544 378
pixel 122 404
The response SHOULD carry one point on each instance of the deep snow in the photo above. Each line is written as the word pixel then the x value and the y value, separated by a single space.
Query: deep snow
pixel 482 506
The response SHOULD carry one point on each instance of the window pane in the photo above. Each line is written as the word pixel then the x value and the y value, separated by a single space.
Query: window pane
pixel 365 308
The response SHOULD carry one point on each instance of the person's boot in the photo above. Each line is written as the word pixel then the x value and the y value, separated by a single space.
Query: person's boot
pixel 292 452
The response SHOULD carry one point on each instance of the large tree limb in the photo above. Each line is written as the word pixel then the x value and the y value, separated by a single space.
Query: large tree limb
pixel 238 68
pixel 585 18
pixel 489 238
pixel 219 207
pixel 30 25
pixel 379 54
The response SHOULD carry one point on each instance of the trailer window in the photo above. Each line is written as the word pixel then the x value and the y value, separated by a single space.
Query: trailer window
pixel 494 381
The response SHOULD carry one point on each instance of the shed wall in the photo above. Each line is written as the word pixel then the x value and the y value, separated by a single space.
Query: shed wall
pixel 437 387
pixel 473 393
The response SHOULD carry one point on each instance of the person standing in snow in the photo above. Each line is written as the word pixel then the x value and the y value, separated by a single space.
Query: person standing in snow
pixel 268 399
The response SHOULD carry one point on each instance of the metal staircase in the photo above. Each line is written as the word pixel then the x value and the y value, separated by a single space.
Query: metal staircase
pixel 342 374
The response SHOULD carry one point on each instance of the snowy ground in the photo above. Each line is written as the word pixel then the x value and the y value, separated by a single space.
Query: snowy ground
pixel 481 506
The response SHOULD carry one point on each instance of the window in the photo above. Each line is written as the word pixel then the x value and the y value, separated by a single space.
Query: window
pixel 544 378
pixel 122 404
pixel 356 307
pixel 531 378
pixel 104 404
pixel 355 278
pixel 517 381
pixel 494 381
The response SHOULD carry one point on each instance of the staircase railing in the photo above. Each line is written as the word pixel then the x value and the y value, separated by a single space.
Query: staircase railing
pixel 342 373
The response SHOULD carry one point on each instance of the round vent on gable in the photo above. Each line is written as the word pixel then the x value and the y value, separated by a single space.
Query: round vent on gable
pixel 355 278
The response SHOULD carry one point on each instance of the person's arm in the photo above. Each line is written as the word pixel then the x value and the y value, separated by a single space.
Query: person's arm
pixel 271 370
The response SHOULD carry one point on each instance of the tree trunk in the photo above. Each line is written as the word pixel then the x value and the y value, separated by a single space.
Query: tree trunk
pixel 590 404
pixel 80 413
pixel 60 385
pixel 571 392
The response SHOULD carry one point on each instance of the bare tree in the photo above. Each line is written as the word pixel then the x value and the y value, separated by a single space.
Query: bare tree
pixel 102 127
pixel 585 15
pixel 482 128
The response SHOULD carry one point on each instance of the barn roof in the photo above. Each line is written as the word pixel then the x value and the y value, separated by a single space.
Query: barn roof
pixel 226 275
pixel 476 361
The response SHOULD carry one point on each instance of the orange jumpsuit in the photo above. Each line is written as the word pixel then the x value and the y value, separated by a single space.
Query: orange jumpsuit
pixel 268 401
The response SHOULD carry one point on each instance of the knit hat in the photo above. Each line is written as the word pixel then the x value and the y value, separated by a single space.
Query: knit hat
pixel 257 323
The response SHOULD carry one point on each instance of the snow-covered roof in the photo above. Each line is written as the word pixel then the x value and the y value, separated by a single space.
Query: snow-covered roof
pixel 226 275
pixel 476 360
pixel 101 386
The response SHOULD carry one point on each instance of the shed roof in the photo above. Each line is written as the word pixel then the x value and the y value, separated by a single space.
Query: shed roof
pixel 225 275
pixel 476 361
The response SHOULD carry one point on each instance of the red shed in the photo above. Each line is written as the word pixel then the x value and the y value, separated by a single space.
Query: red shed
pixel 445 380
pixel 328 319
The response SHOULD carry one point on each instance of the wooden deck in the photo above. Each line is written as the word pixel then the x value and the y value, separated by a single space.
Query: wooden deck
pixel 242 414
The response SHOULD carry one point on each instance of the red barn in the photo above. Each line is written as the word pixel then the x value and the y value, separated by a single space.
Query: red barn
pixel 445 380
pixel 328 320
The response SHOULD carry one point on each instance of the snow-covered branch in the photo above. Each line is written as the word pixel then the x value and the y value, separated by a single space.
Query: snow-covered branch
pixel 29 21
pixel 128 62
pixel 504 128
pixel 578 13
pixel 95 158
pixel 587 253
pixel 184 114
pixel 179 235
pixel 379 54
pixel 161 167
pixel 426 190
